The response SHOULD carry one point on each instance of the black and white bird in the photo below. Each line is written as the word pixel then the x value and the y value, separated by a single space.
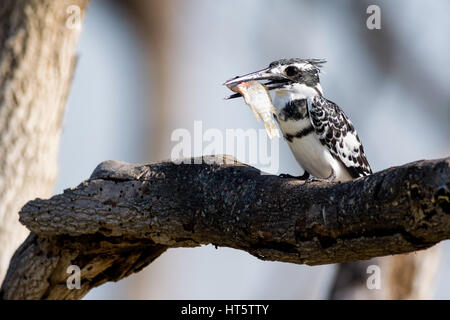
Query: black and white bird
pixel 321 137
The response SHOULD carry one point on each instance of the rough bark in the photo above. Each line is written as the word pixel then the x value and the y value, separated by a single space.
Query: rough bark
pixel 126 215
pixel 36 66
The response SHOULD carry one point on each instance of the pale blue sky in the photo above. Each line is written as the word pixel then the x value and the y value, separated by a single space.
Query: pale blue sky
pixel 107 113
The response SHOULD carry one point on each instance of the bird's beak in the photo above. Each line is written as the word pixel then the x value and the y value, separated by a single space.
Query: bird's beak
pixel 264 74
pixel 258 75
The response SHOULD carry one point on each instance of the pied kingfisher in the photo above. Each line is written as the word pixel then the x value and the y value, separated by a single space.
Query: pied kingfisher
pixel 321 137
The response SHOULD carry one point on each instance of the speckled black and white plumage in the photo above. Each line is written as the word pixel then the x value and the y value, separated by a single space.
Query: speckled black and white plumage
pixel 337 133
pixel 321 137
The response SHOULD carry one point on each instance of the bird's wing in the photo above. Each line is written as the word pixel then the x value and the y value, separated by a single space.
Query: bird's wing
pixel 338 134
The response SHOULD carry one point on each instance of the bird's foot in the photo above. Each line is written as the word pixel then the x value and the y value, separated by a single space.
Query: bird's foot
pixel 328 179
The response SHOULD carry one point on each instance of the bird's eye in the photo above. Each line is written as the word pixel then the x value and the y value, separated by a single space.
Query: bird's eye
pixel 291 71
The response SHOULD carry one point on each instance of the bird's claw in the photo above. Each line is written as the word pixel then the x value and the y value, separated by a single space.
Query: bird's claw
pixel 329 179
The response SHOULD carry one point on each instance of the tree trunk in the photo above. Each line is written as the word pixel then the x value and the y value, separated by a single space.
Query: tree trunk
pixel 37 43
pixel 154 20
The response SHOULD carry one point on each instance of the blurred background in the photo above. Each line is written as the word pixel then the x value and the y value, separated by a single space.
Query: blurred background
pixel 146 68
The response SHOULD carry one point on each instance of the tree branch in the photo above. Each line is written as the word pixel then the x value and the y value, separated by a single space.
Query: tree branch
pixel 37 60
pixel 125 216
